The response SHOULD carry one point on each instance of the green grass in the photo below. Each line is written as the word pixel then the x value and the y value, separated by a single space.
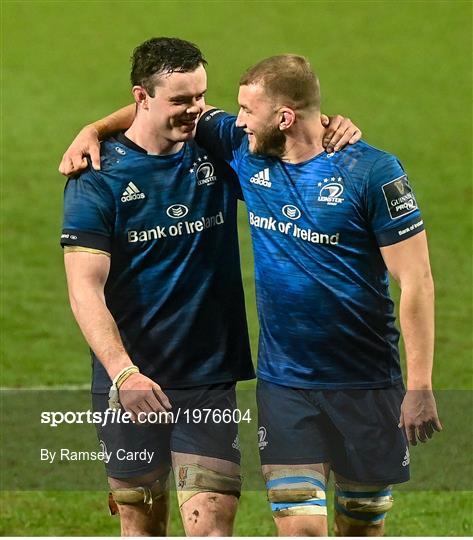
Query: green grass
pixel 401 70
pixel 85 513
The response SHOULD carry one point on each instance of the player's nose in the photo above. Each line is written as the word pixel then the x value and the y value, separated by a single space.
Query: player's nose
pixel 195 107
pixel 239 121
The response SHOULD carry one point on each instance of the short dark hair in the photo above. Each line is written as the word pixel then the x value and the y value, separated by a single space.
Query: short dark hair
pixel 163 55
pixel 287 78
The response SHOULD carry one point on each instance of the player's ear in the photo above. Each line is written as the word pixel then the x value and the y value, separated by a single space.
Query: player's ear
pixel 287 117
pixel 141 96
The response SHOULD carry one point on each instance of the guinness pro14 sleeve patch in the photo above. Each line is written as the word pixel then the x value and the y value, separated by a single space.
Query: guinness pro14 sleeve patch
pixel 399 197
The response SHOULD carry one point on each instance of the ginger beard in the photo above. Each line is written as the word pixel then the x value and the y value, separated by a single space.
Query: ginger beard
pixel 270 141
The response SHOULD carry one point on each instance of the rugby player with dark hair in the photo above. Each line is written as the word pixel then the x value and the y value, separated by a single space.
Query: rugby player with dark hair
pixel 153 269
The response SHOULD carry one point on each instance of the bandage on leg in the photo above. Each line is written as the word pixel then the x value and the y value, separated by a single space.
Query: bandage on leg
pixel 194 479
pixel 362 505
pixel 138 495
pixel 296 492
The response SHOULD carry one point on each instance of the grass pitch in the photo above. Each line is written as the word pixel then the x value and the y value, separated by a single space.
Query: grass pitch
pixel 401 70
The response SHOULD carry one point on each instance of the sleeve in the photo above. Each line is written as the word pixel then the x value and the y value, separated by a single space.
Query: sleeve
pixel 232 178
pixel 218 134
pixel 392 207
pixel 89 213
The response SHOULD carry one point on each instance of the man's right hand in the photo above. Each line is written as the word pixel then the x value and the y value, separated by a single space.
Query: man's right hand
pixel 139 394
pixel 85 144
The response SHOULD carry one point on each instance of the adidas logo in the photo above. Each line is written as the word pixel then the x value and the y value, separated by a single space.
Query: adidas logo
pixel 132 193
pixel 261 178
pixel 236 443
pixel 407 458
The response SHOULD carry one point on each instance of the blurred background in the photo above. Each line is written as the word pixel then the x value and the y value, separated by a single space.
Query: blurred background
pixel 400 70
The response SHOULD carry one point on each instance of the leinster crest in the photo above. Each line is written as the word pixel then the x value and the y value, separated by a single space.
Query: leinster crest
pixel 204 172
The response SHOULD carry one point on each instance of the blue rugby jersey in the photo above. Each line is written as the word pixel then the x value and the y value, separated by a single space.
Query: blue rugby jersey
pixel 174 287
pixel 326 317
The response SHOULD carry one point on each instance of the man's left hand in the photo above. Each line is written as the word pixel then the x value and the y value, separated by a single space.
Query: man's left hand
pixel 339 132
pixel 419 416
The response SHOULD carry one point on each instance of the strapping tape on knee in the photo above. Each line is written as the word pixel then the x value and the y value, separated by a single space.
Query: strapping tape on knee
pixel 363 505
pixel 194 479
pixel 137 495
pixel 296 492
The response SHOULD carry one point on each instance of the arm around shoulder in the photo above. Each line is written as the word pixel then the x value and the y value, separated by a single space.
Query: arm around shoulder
pixel 86 143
